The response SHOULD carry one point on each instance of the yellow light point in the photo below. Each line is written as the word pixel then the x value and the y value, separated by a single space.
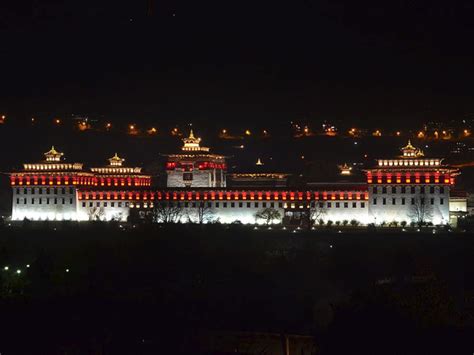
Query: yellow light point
pixel 108 125
pixel 436 134
pixel 132 127
pixel 306 129
pixel 3 117
pixel 58 121
pixel 152 130
pixel 398 133
pixel 467 133
pixel 377 133
pixel 247 132
pixel 421 134
pixel 224 131
pixel 444 132
pixel 32 119
pixel 302 157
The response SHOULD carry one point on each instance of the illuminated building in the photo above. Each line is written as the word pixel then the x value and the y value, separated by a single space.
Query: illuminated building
pixel 410 188
pixel 395 190
pixel 195 166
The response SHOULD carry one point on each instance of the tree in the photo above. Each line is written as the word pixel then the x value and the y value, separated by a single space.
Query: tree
pixel 316 213
pixel 268 215
pixel 420 211
pixel 166 213
pixel 201 214
pixel 96 213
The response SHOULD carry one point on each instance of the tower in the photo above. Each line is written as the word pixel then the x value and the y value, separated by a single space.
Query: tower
pixel 195 166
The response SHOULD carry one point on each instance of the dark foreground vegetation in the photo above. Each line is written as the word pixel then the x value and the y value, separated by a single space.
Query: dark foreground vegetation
pixel 112 289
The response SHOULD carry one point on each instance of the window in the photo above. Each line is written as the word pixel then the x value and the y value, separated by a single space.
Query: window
pixel 47 201
pixel 362 204
pixel 17 201
pixel 403 200
pixel 83 204
pixel 338 204
pixel 403 189
pixel 329 204
pixel 120 204
pixel 64 201
pixel 412 201
pixel 24 200
pixel 217 204
pixel 432 201
pixel 17 190
pixel 346 204
pixel 47 190
pixel 394 201
pixel 98 204
pixel 432 190
pixel 441 190
pixel 374 190
pixel 264 204
pixel 90 204
pixel 321 204
pixel 413 190
pixel 70 201
pixel 384 201
pixel 280 204
pixel 272 204
pixel 194 205
pixel 40 200
pixel 422 201
pixel 55 190
pixel 384 189
pixel 224 205
pixel 354 204
pixel 55 201
pixel 186 204
pixel 441 201
pixel 394 190
pixel 232 204
pixel 105 204
pixel 422 189
pixel 248 204
pixel 40 191
pixel 32 201
pixel 64 191
pixel 375 201
pixel 241 204
pixel 187 176
pixel 256 204
pixel 71 190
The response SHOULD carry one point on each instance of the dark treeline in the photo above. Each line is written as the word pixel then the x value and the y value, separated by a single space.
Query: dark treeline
pixel 111 289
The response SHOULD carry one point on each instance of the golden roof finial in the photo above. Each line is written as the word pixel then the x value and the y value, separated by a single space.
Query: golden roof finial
pixel 191 134
pixel 259 162
pixel 116 160
pixel 53 154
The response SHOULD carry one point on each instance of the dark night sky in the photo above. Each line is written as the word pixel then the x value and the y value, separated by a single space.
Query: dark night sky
pixel 246 60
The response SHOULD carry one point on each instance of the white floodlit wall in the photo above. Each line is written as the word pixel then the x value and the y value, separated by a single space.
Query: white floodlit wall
pixel 89 210
pixel 389 203
pixel 200 178
pixel 44 203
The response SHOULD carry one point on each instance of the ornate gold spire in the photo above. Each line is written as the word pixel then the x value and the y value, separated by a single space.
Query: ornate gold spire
pixel 53 155
pixel 116 160
pixel 409 151
pixel 345 169
pixel 192 143
pixel 259 162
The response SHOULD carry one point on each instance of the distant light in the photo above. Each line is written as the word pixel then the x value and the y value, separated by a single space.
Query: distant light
pixel 330 246
pixel 58 121
pixel 302 157
pixel 224 131
pixel 132 127
pixel 355 143
pixel 67 270
pixel 108 125
pixel 398 133
pixel 6 268
pixel 247 132
pixel 18 271
pixel 27 265
pixel 32 119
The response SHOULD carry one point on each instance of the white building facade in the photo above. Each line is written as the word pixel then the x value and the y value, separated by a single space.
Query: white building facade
pixel 408 189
